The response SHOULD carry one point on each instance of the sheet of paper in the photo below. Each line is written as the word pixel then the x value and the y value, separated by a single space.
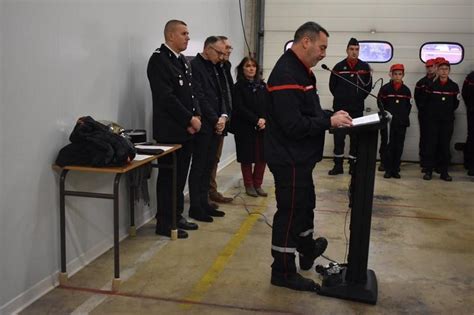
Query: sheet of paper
pixel 162 147
pixel 140 157
pixel 366 120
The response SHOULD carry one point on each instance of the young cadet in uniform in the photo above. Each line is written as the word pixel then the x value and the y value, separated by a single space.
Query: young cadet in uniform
pixel 176 118
pixel 227 83
pixel 395 97
pixel 294 142
pixel 439 104
pixel 214 117
pixel 349 98
pixel 420 90
pixel 468 95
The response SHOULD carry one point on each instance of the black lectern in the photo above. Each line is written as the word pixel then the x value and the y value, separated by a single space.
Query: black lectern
pixel 356 282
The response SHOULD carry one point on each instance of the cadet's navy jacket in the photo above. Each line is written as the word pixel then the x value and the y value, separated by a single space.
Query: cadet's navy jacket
pixel 420 91
pixel 296 124
pixel 173 101
pixel 397 102
pixel 441 100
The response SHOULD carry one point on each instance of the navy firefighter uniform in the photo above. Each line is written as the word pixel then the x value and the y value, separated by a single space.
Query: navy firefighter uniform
pixel 294 141
pixel 442 99
pixel 420 96
pixel 396 99
pixel 351 99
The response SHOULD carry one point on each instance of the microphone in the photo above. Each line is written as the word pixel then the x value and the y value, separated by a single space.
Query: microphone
pixel 379 103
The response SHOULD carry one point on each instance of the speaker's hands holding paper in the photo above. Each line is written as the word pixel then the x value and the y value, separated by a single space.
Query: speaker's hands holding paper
pixel 341 119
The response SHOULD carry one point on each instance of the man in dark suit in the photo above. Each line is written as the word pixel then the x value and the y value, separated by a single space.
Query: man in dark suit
pixel 227 84
pixel 176 119
pixel 214 117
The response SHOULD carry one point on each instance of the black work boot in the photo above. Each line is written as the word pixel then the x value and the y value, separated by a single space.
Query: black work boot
pixel 351 166
pixel 306 261
pixel 428 175
pixel 294 281
pixel 337 169
pixel 445 176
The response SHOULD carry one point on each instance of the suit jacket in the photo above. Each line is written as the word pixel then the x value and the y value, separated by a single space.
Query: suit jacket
pixel 174 102
pixel 208 92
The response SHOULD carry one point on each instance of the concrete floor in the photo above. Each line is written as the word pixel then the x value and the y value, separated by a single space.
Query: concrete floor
pixel 422 251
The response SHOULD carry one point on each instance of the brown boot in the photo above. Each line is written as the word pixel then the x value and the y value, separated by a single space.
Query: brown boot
pixel 218 197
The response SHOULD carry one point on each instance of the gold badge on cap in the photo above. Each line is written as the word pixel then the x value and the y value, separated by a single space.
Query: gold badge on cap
pixel 443 98
pixel 397 101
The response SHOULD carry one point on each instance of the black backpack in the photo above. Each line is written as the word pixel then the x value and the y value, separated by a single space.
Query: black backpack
pixel 94 144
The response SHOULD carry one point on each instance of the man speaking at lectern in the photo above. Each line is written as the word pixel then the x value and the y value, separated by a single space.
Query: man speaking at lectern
pixel 294 143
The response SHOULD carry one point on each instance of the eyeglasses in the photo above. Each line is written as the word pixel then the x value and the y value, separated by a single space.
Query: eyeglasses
pixel 220 53
pixel 229 48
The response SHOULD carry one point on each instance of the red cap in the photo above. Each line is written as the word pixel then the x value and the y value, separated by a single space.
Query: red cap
pixel 397 66
pixel 441 61
pixel 430 62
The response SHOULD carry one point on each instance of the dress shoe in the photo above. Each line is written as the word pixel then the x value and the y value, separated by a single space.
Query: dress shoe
pixel 250 191
pixel 200 215
pixel 294 281
pixel 218 197
pixel 470 172
pixel 396 175
pixel 381 168
pixel 306 261
pixel 261 192
pixel 186 225
pixel 428 175
pixel 446 177
pixel 215 212
pixel 212 204
pixel 424 170
pixel 387 175
pixel 167 232
pixel 337 169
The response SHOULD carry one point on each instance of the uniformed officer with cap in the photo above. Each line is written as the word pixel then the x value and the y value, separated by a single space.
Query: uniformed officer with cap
pixel 349 98
pixel 176 118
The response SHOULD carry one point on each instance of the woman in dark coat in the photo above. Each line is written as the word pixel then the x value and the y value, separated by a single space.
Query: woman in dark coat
pixel 248 124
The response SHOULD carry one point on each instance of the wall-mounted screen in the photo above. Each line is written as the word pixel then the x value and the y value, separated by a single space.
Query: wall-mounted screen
pixel 453 52
pixel 375 51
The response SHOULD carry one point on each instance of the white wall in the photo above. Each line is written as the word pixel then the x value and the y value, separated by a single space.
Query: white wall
pixel 407 24
pixel 61 60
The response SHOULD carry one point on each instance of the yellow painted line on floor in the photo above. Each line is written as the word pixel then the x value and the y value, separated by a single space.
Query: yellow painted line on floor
pixel 201 288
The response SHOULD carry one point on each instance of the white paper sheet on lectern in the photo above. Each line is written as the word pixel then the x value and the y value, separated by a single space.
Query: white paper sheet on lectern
pixel 373 118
